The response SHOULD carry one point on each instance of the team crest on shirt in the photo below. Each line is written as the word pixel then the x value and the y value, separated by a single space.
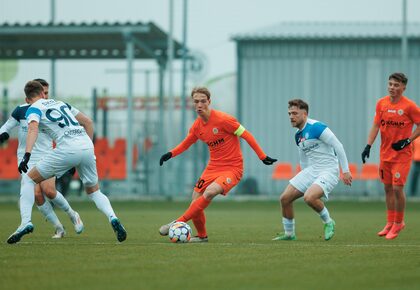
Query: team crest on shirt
pixel 215 131
pixel 228 180
pixel 397 175
pixel 400 112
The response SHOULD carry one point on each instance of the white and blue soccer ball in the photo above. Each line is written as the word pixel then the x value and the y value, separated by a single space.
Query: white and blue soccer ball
pixel 180 232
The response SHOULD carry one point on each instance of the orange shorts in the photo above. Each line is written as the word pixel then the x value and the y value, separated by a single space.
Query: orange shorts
pixel 394 173
pixel 226 179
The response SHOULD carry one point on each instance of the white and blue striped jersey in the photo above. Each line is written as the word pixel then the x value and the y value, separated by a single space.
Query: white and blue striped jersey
pixel 43 144
pixel 58 121
pixel 319 147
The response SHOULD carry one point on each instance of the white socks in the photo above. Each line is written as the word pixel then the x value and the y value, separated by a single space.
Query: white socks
pixel 27 199
pixel 289 226
pixel 325 215
pixel 47 210
pixel 102 203
pixel 63 204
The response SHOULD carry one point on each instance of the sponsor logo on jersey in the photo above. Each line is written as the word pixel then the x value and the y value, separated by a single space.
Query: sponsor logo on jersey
pixel 215 131
pixel 391 123
pixel 215 143
pixel 75 132
pixel 310 147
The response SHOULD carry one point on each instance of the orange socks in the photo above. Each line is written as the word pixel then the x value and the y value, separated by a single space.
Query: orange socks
pixel 194 210
pixel 399 217
pixel 390 216
pixel 200 224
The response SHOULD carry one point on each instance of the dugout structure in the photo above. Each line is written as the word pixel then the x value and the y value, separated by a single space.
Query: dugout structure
pixel 129 41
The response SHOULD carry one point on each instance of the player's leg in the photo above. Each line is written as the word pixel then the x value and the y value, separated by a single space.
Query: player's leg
pixel 289 195
pixel 199 220
pixel 26 202
pixel 385 174
pixel 89 176
pixel 46 209
pixel 321 187
pixel 400 173
pixel 48 187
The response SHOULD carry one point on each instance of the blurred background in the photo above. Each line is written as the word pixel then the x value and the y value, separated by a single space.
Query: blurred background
pixel 131 64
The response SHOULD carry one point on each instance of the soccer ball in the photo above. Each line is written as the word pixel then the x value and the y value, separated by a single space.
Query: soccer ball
pixel 180 232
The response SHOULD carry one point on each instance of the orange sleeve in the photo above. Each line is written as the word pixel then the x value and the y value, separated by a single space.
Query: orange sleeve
pixel 377 119
pixel 254 145
pixel 185 144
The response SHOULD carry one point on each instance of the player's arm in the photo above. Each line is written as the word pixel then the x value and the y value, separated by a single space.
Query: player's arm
pixel 328 137
pixel 252 142
pixel 86 123
pixel 6 128
pixel 83 120
pixel 184 145
pixel 414 114
pixel 371 139
pixel 10 124
pixel 33 116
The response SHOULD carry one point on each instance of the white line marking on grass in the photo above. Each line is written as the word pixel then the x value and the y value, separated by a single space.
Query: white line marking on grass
pixel 268 244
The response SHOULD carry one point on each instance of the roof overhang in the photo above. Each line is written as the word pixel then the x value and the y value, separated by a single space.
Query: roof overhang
pixel 84 41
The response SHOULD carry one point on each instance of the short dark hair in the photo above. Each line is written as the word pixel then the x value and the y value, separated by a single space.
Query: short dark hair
pixel 398 76
pixel 43 82
pixel 302 105
pixel 33 89
pixel 201 90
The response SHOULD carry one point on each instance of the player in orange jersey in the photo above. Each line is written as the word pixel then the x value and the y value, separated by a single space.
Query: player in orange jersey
pixel 220 132
pixel 395 117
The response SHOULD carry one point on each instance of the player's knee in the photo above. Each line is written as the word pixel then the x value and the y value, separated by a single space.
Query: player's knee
pixel 284 199
pixel 309 199
pixel 39 198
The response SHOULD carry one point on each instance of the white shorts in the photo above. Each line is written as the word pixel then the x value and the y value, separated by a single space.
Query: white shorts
pixel 57 163
pixel 327 179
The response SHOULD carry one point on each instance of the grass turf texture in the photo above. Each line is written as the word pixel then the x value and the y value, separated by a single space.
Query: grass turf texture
pixel 239 255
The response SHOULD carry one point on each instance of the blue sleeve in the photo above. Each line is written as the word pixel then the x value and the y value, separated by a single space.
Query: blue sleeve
pixel 33 110
pixel 317 129
pixel 16 114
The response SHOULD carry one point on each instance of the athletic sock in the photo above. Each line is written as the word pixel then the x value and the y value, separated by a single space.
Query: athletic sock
pixel 399 217
pixel 390 216
pixel 325 215
pixel 103 204
pixel 196 206
pixel 200 224
pixel 47 210
pixel 289 226
pixel 27 199
pixel 63 204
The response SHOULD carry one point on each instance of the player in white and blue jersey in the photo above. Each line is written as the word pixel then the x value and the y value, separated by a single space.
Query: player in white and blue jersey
pixel 74 148
pixel 42 147
pixel 320 154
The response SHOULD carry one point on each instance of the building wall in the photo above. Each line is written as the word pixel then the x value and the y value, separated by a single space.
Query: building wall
pixel 341 80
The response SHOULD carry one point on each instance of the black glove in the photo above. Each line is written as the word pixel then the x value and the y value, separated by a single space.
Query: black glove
pixel 400 145
pixel 23 165
pixel 268 160
pixel 366 153
pixel 165 157
pixel 3 137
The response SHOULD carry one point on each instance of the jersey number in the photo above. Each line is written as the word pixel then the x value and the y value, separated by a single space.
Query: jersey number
pixel 61 116
pixel 200 183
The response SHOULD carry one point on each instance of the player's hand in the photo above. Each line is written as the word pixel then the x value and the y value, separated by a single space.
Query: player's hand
pixel 23 165
pixel 366 153
pixel 347 178
pixel 268 160
pixel 400 145
pixel 165 157
pixel 3 137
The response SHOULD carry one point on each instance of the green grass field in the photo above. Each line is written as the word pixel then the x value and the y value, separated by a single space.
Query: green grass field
pixel 239 255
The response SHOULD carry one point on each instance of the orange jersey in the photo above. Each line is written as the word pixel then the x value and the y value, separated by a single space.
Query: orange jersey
pixel 219 135
pixel 395 122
